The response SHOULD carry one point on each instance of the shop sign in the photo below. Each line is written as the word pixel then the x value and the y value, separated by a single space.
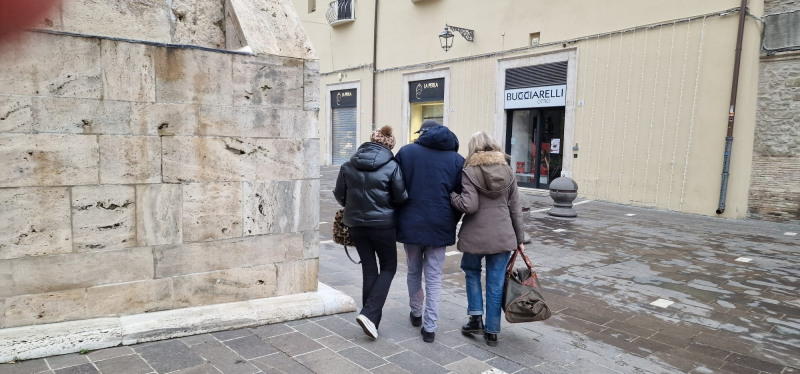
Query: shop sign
pixel 536 97
pixel 344 99
pixel 429 90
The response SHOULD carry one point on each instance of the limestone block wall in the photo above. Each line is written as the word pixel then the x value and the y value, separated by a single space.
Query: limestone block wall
pixel 774 190
pixel 138 178
pixel 265 26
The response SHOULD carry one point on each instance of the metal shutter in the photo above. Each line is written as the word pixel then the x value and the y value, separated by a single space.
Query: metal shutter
pixel 554 74
pixel 343 137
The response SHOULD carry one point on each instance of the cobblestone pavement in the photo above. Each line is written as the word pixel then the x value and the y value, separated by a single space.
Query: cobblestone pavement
pixel 733 288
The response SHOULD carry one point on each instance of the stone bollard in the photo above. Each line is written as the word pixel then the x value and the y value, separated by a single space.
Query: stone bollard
pixel 563 191
pixel 526 203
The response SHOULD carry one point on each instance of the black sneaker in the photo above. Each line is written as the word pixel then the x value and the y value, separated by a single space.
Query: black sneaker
pixel 427 337
pixel 474 326
pixel 491 339
pixel 415 321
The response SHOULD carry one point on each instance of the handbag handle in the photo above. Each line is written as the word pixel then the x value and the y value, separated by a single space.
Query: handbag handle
pixel 510 266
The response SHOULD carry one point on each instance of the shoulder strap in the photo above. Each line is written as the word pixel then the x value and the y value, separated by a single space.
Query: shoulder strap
pixel 348 256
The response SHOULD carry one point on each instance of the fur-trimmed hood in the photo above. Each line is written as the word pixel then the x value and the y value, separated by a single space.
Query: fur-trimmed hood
pixel 490 173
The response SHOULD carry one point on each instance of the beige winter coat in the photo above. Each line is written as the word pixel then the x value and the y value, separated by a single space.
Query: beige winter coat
pixel 490 199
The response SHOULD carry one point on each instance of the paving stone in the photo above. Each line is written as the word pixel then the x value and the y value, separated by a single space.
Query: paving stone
pixel 224 359
pixel 380 346
pixel 474 352
pixel 200 369
pixel 335 343
pixel 388 369
pixel 585 366
pixel 294 344
pixel 130 364
pixel 586 316
pixel 326 361
pixel 651 346
pixel 362 357
pixel 545 368
pixel 231 334
pixel 250 347
pixel 313 331
pixel 672 340
pixel 504 364
pixel 24 367
pixel 197 339
pixel 631 329
pixel 268 331
pixel 468 365
pixel 708 350
pixel 688 361
pixel 737 369
pixel 107 353
pixel 168 356
pixel 754 363
pixel 60 362
pixel 342 328
pixel 436 352
pixel 280 363
pixel 414 363
pixel 80 369
pixel 725 344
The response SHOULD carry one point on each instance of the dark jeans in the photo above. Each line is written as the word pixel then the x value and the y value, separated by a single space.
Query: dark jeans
pixel 371 242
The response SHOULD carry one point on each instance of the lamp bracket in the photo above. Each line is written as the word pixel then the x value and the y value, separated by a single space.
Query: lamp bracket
pixel 468 34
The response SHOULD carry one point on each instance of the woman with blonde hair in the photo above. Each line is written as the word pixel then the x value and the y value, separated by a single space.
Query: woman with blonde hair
pixel 492 228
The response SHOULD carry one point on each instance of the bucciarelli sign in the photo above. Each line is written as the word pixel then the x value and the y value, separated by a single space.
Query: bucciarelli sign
pixel 429 90
pixel 536 97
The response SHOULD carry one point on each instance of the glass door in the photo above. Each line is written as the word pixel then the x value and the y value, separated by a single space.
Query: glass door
pixel 534 142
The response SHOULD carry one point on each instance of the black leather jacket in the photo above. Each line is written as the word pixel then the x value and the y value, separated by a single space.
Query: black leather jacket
pixel 369 188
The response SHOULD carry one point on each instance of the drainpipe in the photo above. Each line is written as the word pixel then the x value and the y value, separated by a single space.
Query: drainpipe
pixel 726 164
pixel 374 63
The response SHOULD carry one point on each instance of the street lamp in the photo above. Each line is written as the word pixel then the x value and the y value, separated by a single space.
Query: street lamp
pixel 446 37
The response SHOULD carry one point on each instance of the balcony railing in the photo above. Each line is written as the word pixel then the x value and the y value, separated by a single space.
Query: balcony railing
pixel 341 11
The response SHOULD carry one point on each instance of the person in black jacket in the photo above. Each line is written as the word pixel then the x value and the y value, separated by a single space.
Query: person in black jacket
pixel 370 186
pixel 427 222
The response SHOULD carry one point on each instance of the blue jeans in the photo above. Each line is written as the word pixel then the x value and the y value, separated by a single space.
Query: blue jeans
pixel 495 278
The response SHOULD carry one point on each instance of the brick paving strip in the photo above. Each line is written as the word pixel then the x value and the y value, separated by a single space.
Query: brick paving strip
pixel 601 275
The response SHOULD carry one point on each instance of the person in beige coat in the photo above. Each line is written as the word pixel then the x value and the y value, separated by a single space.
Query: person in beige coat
pixel 492 228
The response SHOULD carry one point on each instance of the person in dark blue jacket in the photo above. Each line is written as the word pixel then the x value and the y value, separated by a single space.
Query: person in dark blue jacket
pixel 426 224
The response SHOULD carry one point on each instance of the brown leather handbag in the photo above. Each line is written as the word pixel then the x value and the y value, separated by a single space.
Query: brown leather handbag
pixel 522 295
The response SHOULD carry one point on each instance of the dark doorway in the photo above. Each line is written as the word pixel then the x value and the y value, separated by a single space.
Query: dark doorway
pixel 533 139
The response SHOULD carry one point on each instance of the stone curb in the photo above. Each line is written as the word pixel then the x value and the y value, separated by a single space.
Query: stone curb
pixel 69 337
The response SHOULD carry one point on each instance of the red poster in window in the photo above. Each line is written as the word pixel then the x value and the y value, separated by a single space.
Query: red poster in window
pixel 520 168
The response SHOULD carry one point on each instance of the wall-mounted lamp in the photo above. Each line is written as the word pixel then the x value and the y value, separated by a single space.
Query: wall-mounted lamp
pixel 446 37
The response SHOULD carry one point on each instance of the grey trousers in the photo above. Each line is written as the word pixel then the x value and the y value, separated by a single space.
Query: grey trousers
pixel 429 260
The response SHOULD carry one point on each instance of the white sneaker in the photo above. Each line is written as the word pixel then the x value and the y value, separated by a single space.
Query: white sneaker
pixel 367 326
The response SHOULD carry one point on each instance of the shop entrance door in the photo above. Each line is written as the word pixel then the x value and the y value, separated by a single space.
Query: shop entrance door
pixel 533 139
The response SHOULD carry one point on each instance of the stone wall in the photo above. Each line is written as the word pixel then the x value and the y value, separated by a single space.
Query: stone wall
pixel 265 26
pixel 138 178
pixel 774 191
pixel 776 6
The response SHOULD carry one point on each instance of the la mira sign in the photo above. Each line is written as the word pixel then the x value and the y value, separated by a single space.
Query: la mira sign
pixel 536 97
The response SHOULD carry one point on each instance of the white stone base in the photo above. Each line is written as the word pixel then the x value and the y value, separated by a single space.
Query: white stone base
pixel 69 337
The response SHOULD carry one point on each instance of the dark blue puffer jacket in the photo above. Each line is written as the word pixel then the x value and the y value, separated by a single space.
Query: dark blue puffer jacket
pixel 431 170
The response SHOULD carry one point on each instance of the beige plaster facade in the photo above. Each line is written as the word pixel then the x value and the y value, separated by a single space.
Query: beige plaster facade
pixel 647 93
